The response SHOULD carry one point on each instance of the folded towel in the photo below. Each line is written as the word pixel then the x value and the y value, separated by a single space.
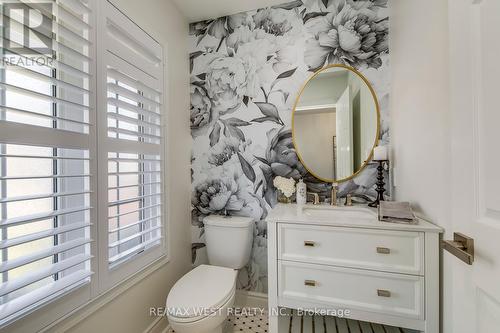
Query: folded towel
pixel 396 212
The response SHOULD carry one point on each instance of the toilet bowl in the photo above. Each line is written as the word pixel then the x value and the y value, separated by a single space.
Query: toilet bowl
pixel 200 301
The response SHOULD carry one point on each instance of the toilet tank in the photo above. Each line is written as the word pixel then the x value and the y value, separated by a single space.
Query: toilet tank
pixel 229 240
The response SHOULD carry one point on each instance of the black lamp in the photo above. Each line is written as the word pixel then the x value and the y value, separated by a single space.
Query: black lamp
pixel 380 156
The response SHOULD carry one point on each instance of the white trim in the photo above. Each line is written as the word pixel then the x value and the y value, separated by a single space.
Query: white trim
pixel 15 133
pixel 320 108
pixel 71 319
pixel 67 311
pixel 432 291
pixel 108 16
pixel 159 325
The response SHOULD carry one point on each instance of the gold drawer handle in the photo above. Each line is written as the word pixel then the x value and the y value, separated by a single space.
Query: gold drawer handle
pixel 309 243
pixel 310 283
pixel 383 250
pixel 383 293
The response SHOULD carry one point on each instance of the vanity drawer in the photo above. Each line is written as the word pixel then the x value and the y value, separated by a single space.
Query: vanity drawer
pixel 346 288
pixel 383 250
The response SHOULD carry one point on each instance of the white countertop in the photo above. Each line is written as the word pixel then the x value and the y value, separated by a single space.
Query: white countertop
pixel 293 213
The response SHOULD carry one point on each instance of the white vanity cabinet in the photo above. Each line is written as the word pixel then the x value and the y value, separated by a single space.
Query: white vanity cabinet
pixel 343 258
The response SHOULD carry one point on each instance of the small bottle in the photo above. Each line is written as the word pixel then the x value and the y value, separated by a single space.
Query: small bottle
pixel 301 192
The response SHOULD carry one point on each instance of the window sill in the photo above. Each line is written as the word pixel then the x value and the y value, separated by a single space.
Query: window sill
pixel 72 318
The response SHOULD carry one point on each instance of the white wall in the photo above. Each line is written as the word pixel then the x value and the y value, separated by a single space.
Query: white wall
pixel 129 312
pixel 421 115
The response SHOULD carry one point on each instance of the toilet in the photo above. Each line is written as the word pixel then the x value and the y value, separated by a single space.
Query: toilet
pixel 199 301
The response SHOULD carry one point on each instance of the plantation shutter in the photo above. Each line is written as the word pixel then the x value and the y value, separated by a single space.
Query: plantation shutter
pixel 132 137
pixel 47 162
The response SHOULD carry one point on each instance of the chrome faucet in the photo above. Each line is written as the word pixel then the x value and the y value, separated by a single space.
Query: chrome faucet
pixel 315 197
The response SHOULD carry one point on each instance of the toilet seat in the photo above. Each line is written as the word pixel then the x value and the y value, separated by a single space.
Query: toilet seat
pixel 193 320
pixel 203 290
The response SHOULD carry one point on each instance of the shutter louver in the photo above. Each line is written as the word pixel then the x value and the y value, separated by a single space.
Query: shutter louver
pixel 55 59
pixel 134 204
pixel 133 107
pixel 131 133
pixel 47 102
pixel 45 224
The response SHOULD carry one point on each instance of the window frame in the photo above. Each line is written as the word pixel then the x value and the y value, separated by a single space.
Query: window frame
pixel 105 284
pixel 78 295
pixel 111 276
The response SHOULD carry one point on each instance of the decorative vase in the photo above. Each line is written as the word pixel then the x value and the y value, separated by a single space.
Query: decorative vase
pixel 283 198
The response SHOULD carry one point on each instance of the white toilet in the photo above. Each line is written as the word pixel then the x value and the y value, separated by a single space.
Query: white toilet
pixel 199 301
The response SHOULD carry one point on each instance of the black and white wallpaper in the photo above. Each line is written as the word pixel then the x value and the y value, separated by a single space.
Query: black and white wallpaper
pixel 246 72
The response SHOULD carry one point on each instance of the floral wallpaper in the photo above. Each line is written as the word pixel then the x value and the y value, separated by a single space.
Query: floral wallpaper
pixel 246 71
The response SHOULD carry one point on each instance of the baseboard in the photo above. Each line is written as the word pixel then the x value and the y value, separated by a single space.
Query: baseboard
pixel 159 325
pixel 250 299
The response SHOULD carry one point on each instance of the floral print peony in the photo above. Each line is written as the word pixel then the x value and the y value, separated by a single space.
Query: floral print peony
pixel 352 34
pixel 201 109
pixel 227 82
pixel 246 72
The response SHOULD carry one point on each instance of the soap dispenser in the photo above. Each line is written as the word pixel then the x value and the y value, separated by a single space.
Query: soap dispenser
pixel 301 192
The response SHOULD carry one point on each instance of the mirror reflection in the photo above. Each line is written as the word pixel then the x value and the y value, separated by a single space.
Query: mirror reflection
pixel 335 123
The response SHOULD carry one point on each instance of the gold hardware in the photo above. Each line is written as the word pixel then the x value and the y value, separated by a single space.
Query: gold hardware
pixel 333 196
pixel 348 200
pixel 310 283
pixel 315 197
pixel 461 247
pixel 383 293
pixel 309 243
pixel 383 250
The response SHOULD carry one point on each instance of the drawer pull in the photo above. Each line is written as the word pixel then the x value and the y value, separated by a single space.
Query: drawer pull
pixel 383 250
pixel 309 243
pixel 383 293
pixel 310 283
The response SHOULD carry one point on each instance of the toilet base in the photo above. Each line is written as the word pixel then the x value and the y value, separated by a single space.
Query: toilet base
pixel 210 324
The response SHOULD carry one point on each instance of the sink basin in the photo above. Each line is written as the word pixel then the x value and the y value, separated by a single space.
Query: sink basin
pixel 338 213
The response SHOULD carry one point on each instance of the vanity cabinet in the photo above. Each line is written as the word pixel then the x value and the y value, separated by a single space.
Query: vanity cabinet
pixel 381 272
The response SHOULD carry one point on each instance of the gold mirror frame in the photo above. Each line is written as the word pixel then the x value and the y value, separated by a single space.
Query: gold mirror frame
pixel 377 107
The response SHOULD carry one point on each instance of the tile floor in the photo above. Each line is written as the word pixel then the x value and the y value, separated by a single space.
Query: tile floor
pixel 258 323
pixel 251 323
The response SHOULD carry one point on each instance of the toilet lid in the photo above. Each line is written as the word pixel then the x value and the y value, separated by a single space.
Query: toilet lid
pixel 203 289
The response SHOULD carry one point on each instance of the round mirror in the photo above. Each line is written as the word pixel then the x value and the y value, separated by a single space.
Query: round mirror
pixel 335 123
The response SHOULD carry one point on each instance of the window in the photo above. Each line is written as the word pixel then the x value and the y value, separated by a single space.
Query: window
pixel 45 167
pixel 45 224
pixel 130 139
pixel 61 198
